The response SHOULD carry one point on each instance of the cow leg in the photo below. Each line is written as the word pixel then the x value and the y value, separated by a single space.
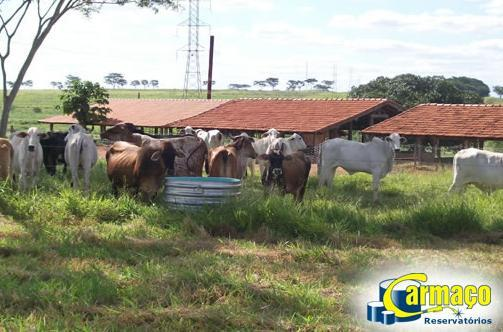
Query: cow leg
pixel 375 186
pixel 458 184
pixel 457 187
pixel 87 174
pixel 327 176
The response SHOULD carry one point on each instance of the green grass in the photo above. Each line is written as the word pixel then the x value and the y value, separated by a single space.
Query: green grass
pixel 104 263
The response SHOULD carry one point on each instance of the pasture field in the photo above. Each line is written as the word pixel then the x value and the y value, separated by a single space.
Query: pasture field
pixel 259 263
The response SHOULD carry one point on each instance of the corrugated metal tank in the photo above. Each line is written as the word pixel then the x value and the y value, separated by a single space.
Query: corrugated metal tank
pixel 192 192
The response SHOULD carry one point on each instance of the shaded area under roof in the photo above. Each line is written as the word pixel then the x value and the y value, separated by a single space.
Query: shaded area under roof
pixel 148 112
pixel 286 115
pixel 445 120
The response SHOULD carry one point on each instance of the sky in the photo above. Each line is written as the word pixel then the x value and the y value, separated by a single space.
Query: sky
pixel 351 42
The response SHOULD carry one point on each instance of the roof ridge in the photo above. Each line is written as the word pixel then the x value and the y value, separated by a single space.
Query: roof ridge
pixel 170 99
pixel 461 105
pixel 313 99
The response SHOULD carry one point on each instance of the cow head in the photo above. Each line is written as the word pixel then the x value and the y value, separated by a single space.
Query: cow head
pixel 245 145
pixel 121 132
pixel 395 140
pixel 168 153
pixel 189 131
pixel 271 132
pixel 76 128
pixel 215 138
pixel 296 142
pixel 32 136
pixel 274 172
pixel 153 160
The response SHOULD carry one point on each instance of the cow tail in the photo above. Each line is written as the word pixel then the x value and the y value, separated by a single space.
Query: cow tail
pixel 320 160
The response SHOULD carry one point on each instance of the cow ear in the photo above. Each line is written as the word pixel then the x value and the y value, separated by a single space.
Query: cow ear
pixel 43 136
pixel 22 134
pixel 388 139
pixel 156 156
pixel 238 143
pixel 263 157
pixel 289 157
pixel 403 140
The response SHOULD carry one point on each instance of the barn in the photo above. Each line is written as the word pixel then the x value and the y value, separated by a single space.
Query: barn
pixel 315 119
pixel 429 127
pixel 153 115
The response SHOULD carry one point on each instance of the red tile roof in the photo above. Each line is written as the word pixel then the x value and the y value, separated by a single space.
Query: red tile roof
pixel 149 112
pixel 287 115
pixel 445 120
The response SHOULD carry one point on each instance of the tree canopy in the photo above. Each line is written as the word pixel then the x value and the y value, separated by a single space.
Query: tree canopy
pixel 42 16
pixel 85 101
pixel 411 90
pixel 498 90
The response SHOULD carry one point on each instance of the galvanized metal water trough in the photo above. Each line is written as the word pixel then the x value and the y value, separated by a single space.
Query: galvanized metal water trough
pixel 193 192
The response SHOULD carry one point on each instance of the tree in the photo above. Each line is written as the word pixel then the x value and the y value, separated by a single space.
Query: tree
pixel 28 83
pixel 411 90
pixel 85 101
pixel 328 83
pixel 115 79
pixel 272 81
pixel 57 85
pixel 321 87
pixel 145 83
pixel 237 86
pixel 260 84
pixel 311 81
pixel 122 82
pixel 47 14
pixel 293 85
pixel 154 83
pixel 473 85
pixel 70 79
pixel 135 83
pixel 498 90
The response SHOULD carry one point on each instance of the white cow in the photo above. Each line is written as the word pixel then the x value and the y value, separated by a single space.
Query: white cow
pixel 260 147
pixel 481 168
pixel 189 131
pixel 80 152
pixel 28 157
pixel 375 157
pixel 212 138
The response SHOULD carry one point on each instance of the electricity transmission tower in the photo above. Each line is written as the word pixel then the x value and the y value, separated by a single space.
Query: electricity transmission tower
pixel 193 48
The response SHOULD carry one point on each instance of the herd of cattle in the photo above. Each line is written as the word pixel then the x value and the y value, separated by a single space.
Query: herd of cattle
pixel 140 162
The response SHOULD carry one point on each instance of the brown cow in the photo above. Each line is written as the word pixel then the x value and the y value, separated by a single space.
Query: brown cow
pixel 289 173
pixel 123 131
pixel 6 157
pixel 230 160
pixel 195 149
pixel 140 168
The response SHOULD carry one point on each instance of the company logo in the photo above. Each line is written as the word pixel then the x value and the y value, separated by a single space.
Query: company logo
pixel 408 298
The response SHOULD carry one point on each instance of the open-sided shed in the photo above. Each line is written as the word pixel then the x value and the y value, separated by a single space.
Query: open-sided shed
pixel 315 119
pixel 437 125
pixel 156 114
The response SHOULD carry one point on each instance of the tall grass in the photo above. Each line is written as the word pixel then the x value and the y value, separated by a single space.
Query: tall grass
pixel 415 205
